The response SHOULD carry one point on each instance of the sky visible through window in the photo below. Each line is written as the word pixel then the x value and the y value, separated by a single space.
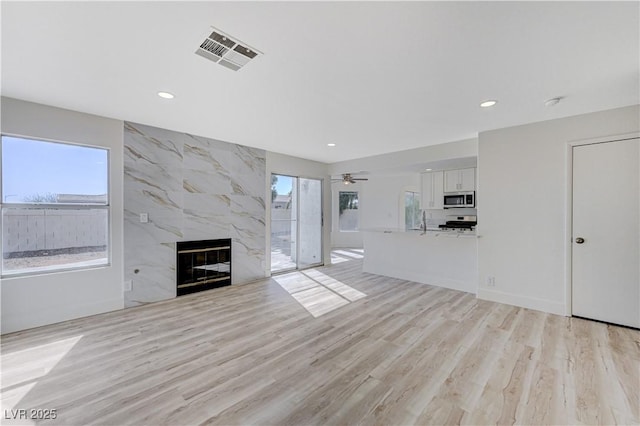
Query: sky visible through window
pixel 284 184
pixel 31 168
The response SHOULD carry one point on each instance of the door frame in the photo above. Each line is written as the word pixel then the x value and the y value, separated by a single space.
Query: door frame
pixel 568 255
pixel 322 239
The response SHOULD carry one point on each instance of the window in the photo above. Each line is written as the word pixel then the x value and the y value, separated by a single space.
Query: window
pixel 55 206
pixel 348 211
pixel 411 210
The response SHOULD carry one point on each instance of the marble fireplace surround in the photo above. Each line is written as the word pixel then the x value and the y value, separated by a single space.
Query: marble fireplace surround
pixel 193 188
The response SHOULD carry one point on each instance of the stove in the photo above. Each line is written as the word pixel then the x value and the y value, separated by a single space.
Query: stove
pixel 460 223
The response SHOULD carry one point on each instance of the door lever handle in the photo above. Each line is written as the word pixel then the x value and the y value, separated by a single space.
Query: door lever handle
pixel 579 240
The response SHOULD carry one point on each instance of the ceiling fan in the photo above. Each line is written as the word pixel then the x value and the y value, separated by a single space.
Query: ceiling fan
pixel 347 179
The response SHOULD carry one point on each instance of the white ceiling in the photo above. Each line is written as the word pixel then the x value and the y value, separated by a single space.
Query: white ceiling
pixel 371 77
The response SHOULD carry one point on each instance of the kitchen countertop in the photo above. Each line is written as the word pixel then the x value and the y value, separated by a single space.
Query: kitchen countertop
pixel 431 232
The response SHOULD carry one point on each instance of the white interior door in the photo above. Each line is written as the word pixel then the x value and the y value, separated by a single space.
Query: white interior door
pixel 606 232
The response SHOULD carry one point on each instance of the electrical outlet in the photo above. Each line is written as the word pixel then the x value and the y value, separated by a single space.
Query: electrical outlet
pixel 491 281
pixel 128 285
pixel 144 217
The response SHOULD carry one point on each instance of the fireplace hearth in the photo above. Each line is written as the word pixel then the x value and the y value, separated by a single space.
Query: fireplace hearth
pixel 203 265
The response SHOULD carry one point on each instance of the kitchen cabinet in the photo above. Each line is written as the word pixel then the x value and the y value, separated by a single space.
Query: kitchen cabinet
pixel 460 180
pixel 432 191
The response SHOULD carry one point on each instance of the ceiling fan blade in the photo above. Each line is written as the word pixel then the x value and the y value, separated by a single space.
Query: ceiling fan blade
pixel 347 178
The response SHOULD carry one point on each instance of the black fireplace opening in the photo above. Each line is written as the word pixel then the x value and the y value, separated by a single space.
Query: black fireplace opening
pixel 203 265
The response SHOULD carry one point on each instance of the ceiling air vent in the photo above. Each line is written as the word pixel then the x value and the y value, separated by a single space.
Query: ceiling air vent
pixel 226 51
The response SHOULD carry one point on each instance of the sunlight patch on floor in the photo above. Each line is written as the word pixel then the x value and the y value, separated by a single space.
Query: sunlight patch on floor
pixel 316 292
pixel 10 400
pixel 34 363
pixel 338 259
pixel 349 254
pixel 349 293
pixel 319 301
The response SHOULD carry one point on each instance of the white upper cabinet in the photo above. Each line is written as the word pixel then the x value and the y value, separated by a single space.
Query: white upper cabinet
pixel 432 191
pixel 460 180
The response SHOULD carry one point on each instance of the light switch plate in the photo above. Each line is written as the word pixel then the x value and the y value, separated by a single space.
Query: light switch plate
pixel 128 285
pixel 144 217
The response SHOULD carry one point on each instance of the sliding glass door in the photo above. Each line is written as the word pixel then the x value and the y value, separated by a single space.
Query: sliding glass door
pixel 310 222
pixel 296 222
pixel 284 222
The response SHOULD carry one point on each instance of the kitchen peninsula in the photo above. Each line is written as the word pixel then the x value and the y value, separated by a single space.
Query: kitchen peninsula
pixel 446 255
pixel 441 258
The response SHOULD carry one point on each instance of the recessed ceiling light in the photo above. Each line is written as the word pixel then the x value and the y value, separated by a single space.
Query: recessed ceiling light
pixel 489 103
pixel 427 170
pixel 166 95
pixel 331 144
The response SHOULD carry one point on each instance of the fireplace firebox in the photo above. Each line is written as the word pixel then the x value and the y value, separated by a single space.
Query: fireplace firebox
pixel 203 265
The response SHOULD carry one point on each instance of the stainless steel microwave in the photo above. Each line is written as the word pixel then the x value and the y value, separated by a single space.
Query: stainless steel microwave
pixel 457 200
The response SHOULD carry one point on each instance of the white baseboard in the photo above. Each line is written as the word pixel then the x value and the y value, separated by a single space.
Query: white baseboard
pixel 467 287
pixel 542 305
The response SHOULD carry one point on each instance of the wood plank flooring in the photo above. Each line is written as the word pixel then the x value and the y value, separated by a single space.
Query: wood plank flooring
pixel 404 353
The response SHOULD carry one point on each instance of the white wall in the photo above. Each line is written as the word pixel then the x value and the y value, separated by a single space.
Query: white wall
pixel 383 199
pixel 403 159
pixel 294 166
pixel 49 298
pixel 522 175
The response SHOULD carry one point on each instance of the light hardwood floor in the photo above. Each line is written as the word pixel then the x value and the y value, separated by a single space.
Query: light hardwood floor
pixel 404 353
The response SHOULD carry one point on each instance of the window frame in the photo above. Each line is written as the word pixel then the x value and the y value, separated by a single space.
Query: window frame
pixel 60 206
pixel 357 197
pixel 415 195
